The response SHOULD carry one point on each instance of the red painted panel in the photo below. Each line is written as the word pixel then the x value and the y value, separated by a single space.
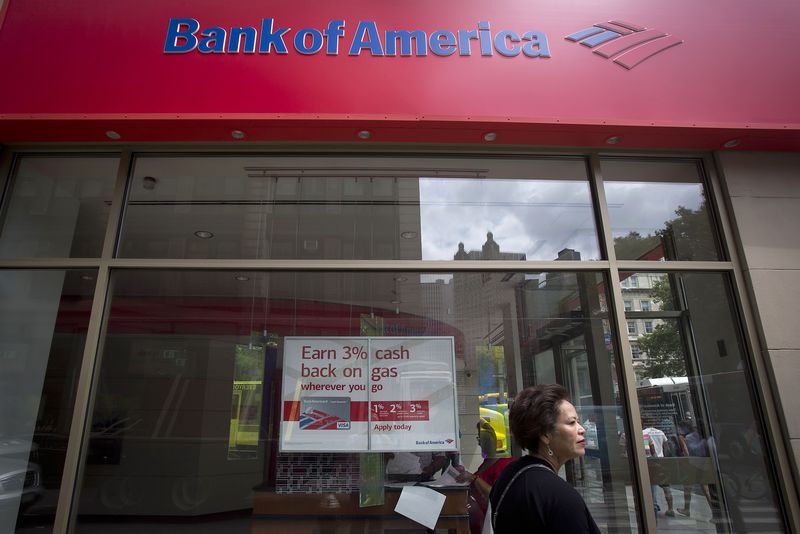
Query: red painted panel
pixel 77 69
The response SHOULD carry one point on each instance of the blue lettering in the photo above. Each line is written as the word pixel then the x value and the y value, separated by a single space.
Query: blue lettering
pixel 405 38
pixel 214 42
pixel 300 41
pixel 181 30
pixel 249 35
pixel 443 43
pixel 501 45
pixel 271 39
pixel 366 36
pixel 536 46
pixel 333 32
pixel 485 37
pixel 464 37
pixel 184 35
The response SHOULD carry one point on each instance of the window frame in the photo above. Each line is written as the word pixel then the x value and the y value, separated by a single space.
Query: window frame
pixel 729 263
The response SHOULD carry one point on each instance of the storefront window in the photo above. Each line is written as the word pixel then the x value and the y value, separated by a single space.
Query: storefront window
pixel 703 439
pixel 44 315
pixel 58 207
pixel 306 400
pixel 567 339
pixel 359 208
pixel 658 210
pixel 226 399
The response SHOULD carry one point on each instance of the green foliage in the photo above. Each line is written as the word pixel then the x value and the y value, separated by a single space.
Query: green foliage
pixel 664 350
pixel 661 293
pixel 687 236
pixel 633 246
pixel 663 346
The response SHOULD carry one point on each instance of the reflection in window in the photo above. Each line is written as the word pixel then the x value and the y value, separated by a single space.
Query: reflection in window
pixel 183 349
pixel 247 395
pixel 532 219
pixel 43 321
pixel 58 207
pixel 658 210
pixel 364 208
pixel 709 470
pixel 566 339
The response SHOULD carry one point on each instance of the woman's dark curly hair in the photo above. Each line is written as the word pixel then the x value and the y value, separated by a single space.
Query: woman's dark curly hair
pixel 534 412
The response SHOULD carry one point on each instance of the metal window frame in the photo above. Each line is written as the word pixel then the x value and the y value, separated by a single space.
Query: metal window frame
pixel 719 206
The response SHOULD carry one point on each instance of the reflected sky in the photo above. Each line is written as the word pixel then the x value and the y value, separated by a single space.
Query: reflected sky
pixel 537 218
pixel 645 207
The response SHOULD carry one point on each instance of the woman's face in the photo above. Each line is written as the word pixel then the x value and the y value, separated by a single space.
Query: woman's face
pixel 567 439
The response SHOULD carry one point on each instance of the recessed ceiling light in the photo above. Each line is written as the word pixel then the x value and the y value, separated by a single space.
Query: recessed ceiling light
pixel 395 301
pixel 242 278
pixel 408 235
pixel 613 140
pixel 149 183
pixel 489 136
pixel 364 134
pixel 732 143
pixel 401 279
pixel 111 134
pixel 237 134
pixel 204 234
pixel 87 277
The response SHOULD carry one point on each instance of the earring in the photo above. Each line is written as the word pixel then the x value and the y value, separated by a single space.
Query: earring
pixel 549 451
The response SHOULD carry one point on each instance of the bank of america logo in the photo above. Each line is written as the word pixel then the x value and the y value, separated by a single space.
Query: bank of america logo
pixel 624 43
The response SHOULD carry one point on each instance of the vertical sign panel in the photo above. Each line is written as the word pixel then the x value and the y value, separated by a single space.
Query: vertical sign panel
pixel 412 395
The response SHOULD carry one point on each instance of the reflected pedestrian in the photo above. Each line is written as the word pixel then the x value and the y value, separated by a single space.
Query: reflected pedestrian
pixel 659 440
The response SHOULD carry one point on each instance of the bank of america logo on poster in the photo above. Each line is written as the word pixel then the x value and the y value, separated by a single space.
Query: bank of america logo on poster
pixel 624 43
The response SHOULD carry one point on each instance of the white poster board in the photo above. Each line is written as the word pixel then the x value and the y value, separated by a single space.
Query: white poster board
pixel 369 394
pixel 325 394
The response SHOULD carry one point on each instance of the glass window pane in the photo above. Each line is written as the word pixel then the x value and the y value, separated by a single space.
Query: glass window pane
pixel 567 339
pixel 711 469
pixel 44 316
pixel 359 208
pixel 658 210
pixel 191 405
pixel 58 207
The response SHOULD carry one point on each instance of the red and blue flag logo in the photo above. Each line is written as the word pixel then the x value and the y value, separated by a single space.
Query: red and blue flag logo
pixel 624 43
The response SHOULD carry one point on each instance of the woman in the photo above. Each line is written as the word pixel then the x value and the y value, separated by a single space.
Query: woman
pixel 529 496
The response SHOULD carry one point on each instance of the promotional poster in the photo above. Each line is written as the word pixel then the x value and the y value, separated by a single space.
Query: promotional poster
pixel 369 394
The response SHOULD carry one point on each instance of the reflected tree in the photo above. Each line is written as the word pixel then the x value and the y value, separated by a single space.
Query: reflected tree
pixel 664 347
pixel 664 352
pixel 688 237
pixel 634 245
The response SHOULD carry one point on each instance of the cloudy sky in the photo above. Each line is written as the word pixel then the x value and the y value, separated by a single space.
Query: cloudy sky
pixel 644 207
pixel 534 217
pixel 540 217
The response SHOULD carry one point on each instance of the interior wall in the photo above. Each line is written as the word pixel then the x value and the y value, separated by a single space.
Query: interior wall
pixel 764 193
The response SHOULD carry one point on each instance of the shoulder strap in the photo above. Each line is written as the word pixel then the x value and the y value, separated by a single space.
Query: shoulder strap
pixel 510 482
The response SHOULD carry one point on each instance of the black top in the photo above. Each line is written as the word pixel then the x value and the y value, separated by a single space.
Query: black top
pixel 539 502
